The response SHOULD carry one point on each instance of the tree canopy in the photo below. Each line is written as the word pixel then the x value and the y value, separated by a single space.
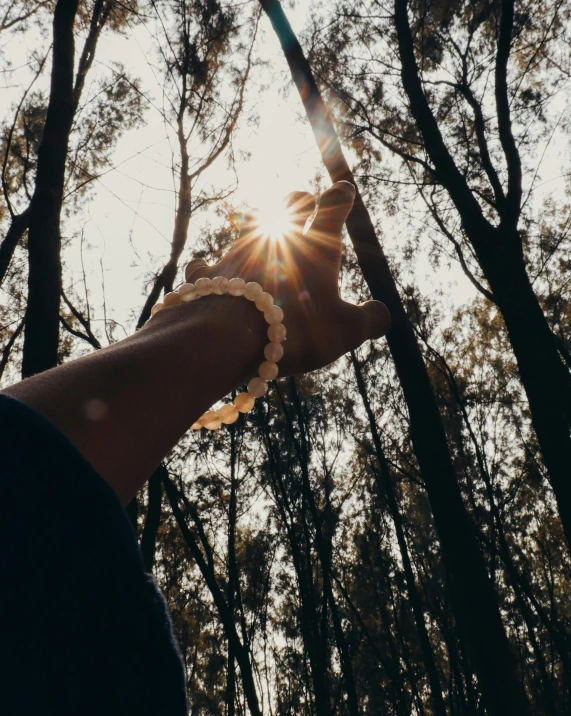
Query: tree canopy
pixel 391 534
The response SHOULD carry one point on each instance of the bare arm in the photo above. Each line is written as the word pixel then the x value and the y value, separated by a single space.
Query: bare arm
pixel 126 406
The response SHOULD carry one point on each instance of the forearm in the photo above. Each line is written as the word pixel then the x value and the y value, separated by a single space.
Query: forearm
pixel 126 406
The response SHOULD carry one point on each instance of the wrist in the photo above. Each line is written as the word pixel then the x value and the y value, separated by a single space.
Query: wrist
pixel 225 334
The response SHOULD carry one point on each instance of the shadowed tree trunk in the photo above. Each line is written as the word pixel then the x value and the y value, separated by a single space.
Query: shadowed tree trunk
pixel 205 562
pixel 499 251
pixel 20 222
pixel 293 522
pixel 41 333
pixel 385 486
pixel 473 596
pixel 17 229
pixel 232 572
pixel 323 537
pixel 165 280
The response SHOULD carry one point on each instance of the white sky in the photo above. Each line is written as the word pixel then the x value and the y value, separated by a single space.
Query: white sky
pixel 128 221
pixel 138 200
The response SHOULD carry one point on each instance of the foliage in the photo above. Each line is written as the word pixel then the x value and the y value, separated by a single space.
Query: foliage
pixel 298 548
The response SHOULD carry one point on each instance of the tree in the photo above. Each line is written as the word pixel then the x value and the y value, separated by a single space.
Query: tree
pixel 466 138
pixel 315 556
pixel 473 595
pixel 42 215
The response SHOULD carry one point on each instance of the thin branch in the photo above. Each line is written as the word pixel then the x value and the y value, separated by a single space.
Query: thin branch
pixel 8 347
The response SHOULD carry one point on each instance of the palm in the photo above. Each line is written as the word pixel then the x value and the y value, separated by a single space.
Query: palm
pixel 301 271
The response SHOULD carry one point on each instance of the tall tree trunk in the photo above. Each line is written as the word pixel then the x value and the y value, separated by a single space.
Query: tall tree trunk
pixel 232 571
pixel 206 566
pixel 313 638
pixel 99 17
pixel 474 600
pixel 19 223
pixel 546 380
pixel 385 486
pixel 41 334
pixel 323 537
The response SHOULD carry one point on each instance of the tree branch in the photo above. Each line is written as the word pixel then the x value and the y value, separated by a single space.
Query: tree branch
pixel 448 174
pixel 84 322
pixel 8 347
pixel 513 160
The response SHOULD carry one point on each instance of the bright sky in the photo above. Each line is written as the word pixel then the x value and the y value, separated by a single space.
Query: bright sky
pixel 128 222
pixel 136 202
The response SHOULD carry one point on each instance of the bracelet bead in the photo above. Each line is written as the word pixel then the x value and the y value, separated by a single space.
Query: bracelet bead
pixel 264 301
pixel 277 332
pixel 274 314
pixel 171 299
pixel 185 289
pixel 211 420
pixel 220 285
pixel 236 287
pixel 274 352
pixel 268 370
pixel 244 402
pixel 257 387
pixel 253 290
pixel 203 286
pixel 229 413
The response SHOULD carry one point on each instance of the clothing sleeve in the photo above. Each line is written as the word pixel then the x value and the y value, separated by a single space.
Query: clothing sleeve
pixel 84 630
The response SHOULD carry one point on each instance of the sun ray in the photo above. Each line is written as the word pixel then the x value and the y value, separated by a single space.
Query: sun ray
pixel 275 221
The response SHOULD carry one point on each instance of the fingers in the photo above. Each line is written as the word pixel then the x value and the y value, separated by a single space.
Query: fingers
pixel 301 205
pixel 376 319
pixel 196 269
pixel 368 321
pixel 334 207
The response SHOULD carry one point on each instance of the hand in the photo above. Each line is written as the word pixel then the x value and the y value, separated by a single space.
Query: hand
pixel 301 271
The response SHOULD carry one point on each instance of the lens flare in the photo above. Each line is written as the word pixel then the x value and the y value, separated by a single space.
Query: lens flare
pixel 275 221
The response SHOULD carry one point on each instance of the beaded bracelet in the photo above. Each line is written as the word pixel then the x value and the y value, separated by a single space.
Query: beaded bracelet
pixel 273 352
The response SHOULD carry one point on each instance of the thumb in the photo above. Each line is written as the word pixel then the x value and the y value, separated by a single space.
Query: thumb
pixel 195 269
pixel 375 319
pixel 334 207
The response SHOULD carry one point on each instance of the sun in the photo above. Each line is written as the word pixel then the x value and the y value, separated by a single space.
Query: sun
pixel 275 220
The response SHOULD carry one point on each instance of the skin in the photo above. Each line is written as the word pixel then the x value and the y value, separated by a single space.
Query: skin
pixel 127 405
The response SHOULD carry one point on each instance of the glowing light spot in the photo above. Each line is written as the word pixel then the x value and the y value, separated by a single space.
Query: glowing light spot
pixel 95 409
pixel 275 221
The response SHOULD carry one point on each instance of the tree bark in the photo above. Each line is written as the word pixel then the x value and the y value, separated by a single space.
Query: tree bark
pixel 232 572
pixel 323 537
pixel 473 595
pixel 545 379
pixel 41 334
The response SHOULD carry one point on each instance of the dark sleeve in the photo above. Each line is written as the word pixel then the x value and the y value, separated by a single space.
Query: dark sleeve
pixel 83 629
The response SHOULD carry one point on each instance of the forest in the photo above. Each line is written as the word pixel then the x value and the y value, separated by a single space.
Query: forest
pixel 390 535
